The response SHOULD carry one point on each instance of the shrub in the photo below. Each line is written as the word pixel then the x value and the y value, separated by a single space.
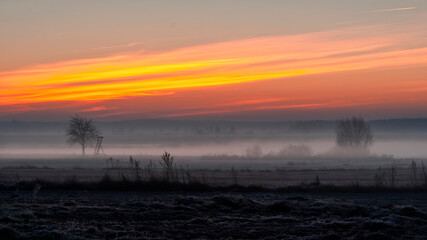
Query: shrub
pixel 295 151
pixel 234 175
pixel 379 178
pixel 254 151
pixel 167 164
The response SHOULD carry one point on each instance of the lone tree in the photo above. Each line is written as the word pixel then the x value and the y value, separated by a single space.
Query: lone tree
pixel 353 133
pixel 82 131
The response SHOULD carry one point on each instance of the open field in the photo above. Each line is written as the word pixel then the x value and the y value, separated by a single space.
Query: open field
pixel 267 178
pixel 261 172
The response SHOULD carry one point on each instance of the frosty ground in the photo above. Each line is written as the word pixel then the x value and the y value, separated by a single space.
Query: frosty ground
pixel 178 215
pixel 347 201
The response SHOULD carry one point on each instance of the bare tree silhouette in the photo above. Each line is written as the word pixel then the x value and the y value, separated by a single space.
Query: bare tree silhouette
pixel 354 133
pixel 82 131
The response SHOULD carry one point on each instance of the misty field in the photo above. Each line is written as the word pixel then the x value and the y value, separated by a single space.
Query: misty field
pixel 244 181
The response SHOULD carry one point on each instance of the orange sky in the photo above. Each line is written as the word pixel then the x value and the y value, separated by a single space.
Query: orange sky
pixel 370 70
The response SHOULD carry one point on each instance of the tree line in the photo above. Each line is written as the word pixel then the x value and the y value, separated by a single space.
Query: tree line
pixel 351 133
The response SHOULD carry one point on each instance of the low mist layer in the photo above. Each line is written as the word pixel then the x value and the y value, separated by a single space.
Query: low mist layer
pixel 399 138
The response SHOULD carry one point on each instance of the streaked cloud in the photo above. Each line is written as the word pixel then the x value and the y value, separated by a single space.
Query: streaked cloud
pixel 136 74
pixel 267 107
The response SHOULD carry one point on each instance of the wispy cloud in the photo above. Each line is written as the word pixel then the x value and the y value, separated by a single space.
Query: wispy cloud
pixel 394 9
pixel 310 105
pixel 196 113
pixel 132 44
pixel 96 109
pixel 421 89
pixel 253 101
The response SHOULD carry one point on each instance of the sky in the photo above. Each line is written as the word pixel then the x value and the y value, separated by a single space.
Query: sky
pixel 213 60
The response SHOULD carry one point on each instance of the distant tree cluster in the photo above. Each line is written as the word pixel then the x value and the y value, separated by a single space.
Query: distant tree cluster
pixel 353 133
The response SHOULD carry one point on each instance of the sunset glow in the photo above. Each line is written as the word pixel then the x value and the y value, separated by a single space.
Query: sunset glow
pixel 248 74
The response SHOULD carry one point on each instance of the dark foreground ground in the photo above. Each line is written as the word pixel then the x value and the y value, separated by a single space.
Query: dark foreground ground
pixel 130 215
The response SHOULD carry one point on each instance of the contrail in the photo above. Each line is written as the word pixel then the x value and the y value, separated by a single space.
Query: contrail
pixel 394 9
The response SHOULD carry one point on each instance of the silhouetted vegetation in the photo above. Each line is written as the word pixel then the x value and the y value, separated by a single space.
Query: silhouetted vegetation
pixel 139 178
pixel 353 134
pixel 108 184
pixel 167 164
pixel 254 151
pixel 295 151
pixel 82 131
pixel 234 175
